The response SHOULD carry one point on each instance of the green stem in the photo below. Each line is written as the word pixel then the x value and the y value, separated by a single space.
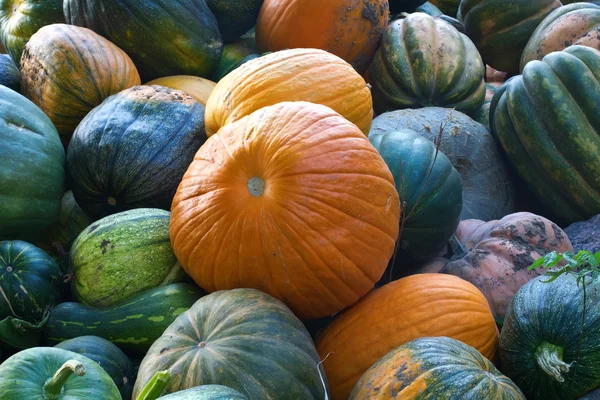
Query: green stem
pixel 458 249
pixel 549 359
pixel 155 386
pixel 53 388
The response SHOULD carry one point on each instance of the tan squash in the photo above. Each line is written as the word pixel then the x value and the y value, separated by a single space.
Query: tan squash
pixel 199 88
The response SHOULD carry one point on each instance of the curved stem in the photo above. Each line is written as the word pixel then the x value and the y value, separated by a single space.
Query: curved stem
pixel 53 387
pixel 549 359
pixel 155 386
pixel 458 249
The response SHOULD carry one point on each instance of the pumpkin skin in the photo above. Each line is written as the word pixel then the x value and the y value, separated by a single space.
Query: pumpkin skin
pixel 432 369
pixel 397 313
pixel 234 17
pixel 126 23
pixel 206 392
pixel 290 75
pixel 150 135
pixel 232 56
pixel 68 70
pixel 241 339
pixel 350 29
pixel 199 88
pixel 483 114
pixel 495 255
pixel 422 62
pixel 20 19
pixel 32 171
pixel 530 115
pixel 290 153
pixel 433 202
pixel 448 7
pixel 574 24
pixel 487 189
pixel 542 331
pixel 501 28
pixel 9 73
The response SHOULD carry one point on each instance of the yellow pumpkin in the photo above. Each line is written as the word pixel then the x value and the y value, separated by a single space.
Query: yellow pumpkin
pixel 199 88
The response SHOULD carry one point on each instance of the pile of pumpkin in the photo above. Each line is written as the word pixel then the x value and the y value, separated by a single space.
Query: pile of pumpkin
pixel 190 237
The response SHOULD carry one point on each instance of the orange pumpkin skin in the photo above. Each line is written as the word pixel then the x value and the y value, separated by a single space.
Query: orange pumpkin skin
pixel 290 75
pixel 424 305
pixel 350 29
pixel 292 200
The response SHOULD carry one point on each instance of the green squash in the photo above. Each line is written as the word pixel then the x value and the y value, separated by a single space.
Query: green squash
pixel 487 189
pixel 448 7
pixel 20 19
pixel 398 6
pixel 422 62
pixel 112 360
pixel 32 170
pixel 161 379
pixel 45 373
pixel 132 150
pixel 430 9
pixel 123 254
pixel 162 37
pixel 483 114
pixel 548 124
pixel 234 55
pixel 501 28
pixel 429 187
pixel 240 338
pixel 438 368
pixel 541 346
pixel 235 17
pixel 9 73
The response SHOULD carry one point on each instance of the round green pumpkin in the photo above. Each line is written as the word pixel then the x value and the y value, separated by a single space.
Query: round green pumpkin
pixel 424 61
pixel 159 382
pixel 548 124
pixel 9 73
pixel 123 254
pixel 429 187
pixel 398 6
pixel 235 17
pixel 541 346
pixel 487 189
pixel 435 368
pixel 132 150
pixel 162 37
pixel 47 373
pixel 32 170
pixel 112 360
pixel 20 19
pixel 240 338
pixel 501 28
pixel 234 55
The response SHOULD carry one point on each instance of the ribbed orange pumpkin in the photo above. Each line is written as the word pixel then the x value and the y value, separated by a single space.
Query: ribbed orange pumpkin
pixel 350 29
pixel 292 200
pixel 417 306
pixel 290 75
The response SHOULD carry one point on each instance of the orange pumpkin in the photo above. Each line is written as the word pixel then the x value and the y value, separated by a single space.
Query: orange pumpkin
pixel 417 306
pixel 292 200
pixel 350 29
pixel 199 88
pixel 291 75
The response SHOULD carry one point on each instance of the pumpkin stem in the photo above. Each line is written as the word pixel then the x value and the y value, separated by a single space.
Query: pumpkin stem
pixel 53 388
pixel 155 386
pixel 549 359
pixel 458 249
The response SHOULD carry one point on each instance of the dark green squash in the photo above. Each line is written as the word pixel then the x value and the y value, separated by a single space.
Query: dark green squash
pixel 32 170
pixel 9 73
pixel 132 150
pixel 398 6
pixel 162 37
pixel 108 356
pixel 234 54
pixel 424 61
pixel 448 7
pixel 20 19
pixel 487 189
pixel 235 17
pixel 541 345
pixel 483 114
pixel 45 373
pixel 240 338
pixel 548 124
pixel 432 201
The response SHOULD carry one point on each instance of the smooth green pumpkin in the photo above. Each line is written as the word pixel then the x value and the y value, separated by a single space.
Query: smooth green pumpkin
pixel 46 373
pixel 548 124
pixel 32 170
pixel 233 56
pixel 163 37
pixel 9 73
pixel 160 380
pixel 429 187
pixel 235 17
pixel 541 345
pixel 243 339
pixel 20 19
pixel 487 189
pixel 150 134
pixel 122 255
pixel 422 62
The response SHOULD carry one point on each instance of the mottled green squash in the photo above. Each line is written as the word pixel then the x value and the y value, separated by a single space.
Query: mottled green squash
pixel 156 386
pixel 233 55
pixel 9 73
pixel 483 114
pixel 398 6
pixel 235 17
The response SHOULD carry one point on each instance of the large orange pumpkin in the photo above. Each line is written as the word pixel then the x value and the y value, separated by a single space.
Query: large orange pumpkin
pixel 350 29
pixel 417 306
pixel 290 75
pixel 292 200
